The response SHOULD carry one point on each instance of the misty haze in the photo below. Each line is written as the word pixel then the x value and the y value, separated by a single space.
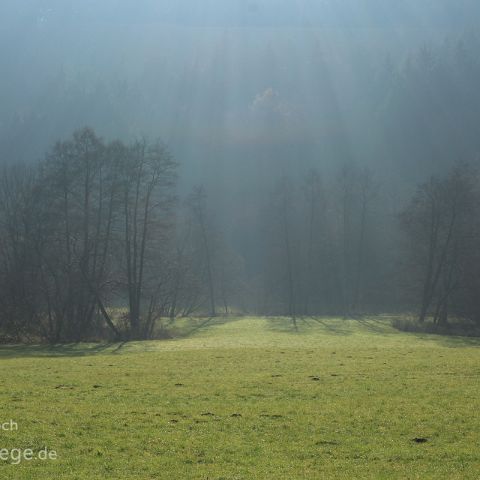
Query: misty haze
pixel 239 239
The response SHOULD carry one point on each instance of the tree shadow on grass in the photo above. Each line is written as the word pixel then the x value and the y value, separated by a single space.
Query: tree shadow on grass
pixel 307 326
pixel 352 325
pixel 380 327
pixel 195 328
pixel 283 325
pixel 449 341
pixel 456 337
pixel 54 351
pixel 88 349
pixel 373 325
pixel 334 327
pixel 198 325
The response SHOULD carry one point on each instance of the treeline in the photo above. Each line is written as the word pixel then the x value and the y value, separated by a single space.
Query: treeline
pixel 88 243
pixel 348 246
pixel 95 243
pixel 326 251
pixel 442 248
pixel 77 228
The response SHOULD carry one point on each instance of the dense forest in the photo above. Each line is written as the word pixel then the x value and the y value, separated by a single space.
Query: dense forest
pixel 238 183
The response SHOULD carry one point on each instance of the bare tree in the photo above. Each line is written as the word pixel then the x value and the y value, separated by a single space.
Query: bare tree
pixel 20 279
pixel 315 202
pixel 438 223
pixel 147 178
pixel 283 258
pixel 77 196
pixel 197 203
pixel 367 192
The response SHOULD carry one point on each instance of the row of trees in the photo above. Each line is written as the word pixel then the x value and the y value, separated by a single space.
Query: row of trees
pixel 442 232
pixel 89 229
pixel 340 247
pixel 321 236
pixel 95 243
pixel 75 229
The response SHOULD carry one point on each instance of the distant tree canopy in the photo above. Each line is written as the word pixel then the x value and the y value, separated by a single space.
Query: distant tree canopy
pixel 410 109
pixel 428 107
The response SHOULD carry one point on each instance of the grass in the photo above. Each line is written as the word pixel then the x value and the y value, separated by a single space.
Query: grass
pixel 248 399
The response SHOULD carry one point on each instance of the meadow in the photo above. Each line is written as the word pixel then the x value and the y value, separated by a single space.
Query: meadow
pixel 247 398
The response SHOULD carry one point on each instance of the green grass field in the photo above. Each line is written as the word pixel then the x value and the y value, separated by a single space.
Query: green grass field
pixel 248 399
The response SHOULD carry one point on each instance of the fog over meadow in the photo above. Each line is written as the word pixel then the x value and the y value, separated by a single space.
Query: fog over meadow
pixel 332 112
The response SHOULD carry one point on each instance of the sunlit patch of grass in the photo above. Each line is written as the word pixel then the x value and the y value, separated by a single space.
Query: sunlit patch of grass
pixel 248 399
